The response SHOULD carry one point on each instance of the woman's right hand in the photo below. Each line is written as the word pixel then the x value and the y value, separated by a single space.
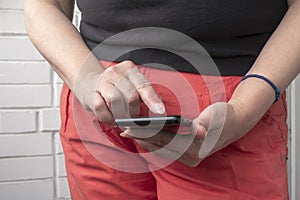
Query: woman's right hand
pixel 114 92
pixel 117 92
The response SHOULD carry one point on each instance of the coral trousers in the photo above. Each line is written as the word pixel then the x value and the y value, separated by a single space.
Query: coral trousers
pixel 102 165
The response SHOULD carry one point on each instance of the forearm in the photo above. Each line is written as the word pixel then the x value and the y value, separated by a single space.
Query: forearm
pixel 279 61
pixel 50 28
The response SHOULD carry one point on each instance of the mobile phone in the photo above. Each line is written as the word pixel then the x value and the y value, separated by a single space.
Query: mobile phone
pixel 153 121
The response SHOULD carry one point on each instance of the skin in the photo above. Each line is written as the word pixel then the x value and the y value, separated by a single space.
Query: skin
pixel 64 49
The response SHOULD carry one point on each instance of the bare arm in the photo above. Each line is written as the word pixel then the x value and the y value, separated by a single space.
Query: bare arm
pixel 49 26
pixel 279 61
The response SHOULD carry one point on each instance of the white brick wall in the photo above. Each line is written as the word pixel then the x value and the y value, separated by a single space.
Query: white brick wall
pixel 25 73
pixel 49 119
pixel 16 24
pixel 11 5
pixel 33 144
pixel 26 121
pixel 14 169
pixel 31 157
pixel 21 190
pixel 24 96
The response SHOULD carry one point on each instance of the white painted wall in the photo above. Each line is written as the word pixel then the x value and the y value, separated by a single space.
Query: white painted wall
pixel 31 158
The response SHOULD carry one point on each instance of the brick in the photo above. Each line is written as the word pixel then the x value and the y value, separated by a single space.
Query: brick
pixel 33 190
pixel 49 119
pixel 57 79
pixel 17 121
pixel 25 145
pixel 58 83
pixel 60 166
pixel 25 96
pixel 9 4
pixel 58 145
pixel 12 22
pixel 20 48
pixel 57 90
pixel 13 169
pixel 63 191
pixel 24 73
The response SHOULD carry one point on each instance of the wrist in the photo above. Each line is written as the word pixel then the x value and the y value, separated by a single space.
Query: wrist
pixel 268 81
pixel 251 99
pixel 241 115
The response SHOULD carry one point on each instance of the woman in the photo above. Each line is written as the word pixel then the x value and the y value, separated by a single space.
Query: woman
pixel 234 150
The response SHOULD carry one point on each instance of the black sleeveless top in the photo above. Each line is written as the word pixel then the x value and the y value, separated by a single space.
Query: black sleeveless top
pixel 233 32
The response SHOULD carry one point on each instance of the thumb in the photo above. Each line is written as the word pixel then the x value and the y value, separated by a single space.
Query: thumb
pixel 211 119
pixel 200 125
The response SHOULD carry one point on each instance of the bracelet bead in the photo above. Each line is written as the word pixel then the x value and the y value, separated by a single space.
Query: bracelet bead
pixel 275 88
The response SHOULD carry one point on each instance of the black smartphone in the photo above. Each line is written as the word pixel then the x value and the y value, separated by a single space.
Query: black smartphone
pixel 153 121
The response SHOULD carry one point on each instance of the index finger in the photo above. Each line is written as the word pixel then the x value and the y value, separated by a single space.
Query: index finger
pixel 146 91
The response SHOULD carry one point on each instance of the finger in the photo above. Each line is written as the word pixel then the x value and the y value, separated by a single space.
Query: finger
pixel 199 130
pixel 116 76
pixel 213 117
pixel 101 110
pixel 184 148
pixel 131 96
pixel 170 154
pixel 190 160
pixel 114 100
pixel 146 91
pixel 163 152
pixel 170 140
pixel 159 151
pixel 140 132
pixel 200 125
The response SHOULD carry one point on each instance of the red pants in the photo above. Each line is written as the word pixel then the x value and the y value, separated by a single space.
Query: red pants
pixel 102 165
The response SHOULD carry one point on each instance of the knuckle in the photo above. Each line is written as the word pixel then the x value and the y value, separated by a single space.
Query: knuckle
pixel 135 111
pixel 109 102
pixel 129 63
pixel 192 163
pixel 98 105
pixel 106 119
pixel 112 70
pixel 144 85
pixel 109 69
pixel 192 160
pixel 161 141
pixel 134 99
pixel 115 97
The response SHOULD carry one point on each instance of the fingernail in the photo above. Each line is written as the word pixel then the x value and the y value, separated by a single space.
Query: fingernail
pixel 158 108
pixel 201 132
pixel 125 135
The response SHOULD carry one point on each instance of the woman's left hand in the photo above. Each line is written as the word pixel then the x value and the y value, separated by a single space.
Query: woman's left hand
pixel 216 127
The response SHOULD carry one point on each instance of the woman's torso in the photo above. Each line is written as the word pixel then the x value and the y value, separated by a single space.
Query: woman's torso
pixel 232 31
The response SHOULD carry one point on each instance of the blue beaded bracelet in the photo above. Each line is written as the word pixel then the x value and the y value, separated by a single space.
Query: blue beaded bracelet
pixel 277 91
